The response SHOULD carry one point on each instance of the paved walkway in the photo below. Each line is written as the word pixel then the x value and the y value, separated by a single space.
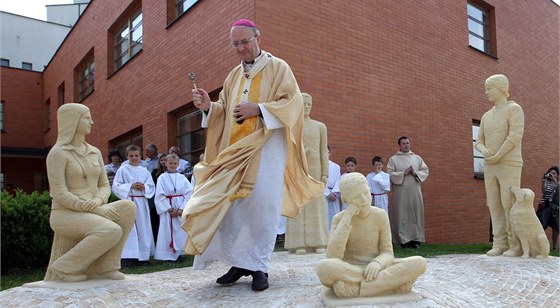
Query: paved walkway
pixel 450 281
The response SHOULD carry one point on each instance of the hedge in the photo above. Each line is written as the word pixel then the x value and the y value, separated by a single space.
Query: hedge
pixel 26 233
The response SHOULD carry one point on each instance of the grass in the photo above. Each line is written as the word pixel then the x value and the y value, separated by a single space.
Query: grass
pixel 16 278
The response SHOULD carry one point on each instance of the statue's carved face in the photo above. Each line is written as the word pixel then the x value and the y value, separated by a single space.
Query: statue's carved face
pixel 355 190
pixel 84 124
pixel 307 104
pixel 493 93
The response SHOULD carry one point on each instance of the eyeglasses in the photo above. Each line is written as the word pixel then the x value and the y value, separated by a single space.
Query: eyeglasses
pixel 236 44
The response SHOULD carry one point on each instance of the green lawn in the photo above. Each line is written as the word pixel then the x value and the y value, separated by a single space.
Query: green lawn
pixel 16 278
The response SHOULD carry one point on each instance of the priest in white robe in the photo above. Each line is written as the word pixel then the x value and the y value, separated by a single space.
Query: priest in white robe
pixel 408 171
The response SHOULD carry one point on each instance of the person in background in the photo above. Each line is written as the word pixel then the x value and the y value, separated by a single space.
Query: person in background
pixel 152 158
pixel 173 190
pixel 547 212
pixel 110 177
pixel 184 166
pixel 331 195
pixel 115 161
pixel 134 182
pixel 379 185
pixel 350 162
pixel 407 171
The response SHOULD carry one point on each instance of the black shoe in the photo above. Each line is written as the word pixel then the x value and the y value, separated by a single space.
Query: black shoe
pixel 260 281
pixel 233 275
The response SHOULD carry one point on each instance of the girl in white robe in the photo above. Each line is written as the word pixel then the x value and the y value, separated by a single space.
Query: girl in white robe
pixel 172 193
pixel 128 183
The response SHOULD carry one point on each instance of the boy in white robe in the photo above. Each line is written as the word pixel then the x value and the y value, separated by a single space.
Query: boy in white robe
pixel 135 183
pixel 379 185
pixel 173 190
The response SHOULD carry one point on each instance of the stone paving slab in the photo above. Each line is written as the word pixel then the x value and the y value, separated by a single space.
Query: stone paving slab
pixel 450 281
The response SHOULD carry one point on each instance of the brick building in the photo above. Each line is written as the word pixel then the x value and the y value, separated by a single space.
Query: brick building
pixel 376 70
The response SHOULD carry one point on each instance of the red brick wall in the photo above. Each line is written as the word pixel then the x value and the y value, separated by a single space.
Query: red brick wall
pixel 23 108
pixel 376 70
pixel 21 92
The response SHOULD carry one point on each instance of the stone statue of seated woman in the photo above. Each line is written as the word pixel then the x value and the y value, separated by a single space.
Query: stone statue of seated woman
pixel 89 233
pixel 360 261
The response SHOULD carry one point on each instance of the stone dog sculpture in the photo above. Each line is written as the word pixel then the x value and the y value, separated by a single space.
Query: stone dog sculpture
pixel 526 226
pixel 89 233
pixel 360 261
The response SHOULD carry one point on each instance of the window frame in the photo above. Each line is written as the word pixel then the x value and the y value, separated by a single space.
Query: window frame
pixel 477 156
pixel 191 154
pixel 133 136
pixel 127 25
pixel 47 115
pixel 488 27
pixel 61 93
pixel 23 64
pixel 5 62
pixel 173 11
pixel 2 115
pixel 85 77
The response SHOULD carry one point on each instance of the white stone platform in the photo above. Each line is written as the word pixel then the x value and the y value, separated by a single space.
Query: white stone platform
pixel 450 281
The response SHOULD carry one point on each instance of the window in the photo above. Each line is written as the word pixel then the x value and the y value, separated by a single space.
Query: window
pixel 26 66
pixel 5 62
pixel 176 8
pixel 61 93
pixel 85 77
pixel 128 39
pixel 481 27
pixel 47 114
pixel 182 6
pixel 2 116
pixel 191 136
pixel 478 157
pixel 132 137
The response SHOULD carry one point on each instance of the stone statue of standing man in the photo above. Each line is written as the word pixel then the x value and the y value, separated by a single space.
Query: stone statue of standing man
pixel 499 141
pixel 309 231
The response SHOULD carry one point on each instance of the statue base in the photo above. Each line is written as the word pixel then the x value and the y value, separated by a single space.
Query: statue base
pixel 78 286
pixel 331 300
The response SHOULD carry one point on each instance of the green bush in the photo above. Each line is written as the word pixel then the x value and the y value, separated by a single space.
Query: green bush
pixel 26 233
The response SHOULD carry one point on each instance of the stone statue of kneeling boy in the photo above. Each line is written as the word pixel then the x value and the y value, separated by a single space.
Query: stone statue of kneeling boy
pixel 360 261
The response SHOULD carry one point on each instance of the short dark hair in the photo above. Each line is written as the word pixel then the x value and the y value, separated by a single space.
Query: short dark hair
pixel 114 152
pixel 110 172
pixel 401 138
pixel 350 159
pixel 151 147
pixel 377 159
pixel 133 147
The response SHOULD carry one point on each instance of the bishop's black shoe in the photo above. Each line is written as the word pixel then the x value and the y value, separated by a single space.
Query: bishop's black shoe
pixel 260 281
pixel 233 275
